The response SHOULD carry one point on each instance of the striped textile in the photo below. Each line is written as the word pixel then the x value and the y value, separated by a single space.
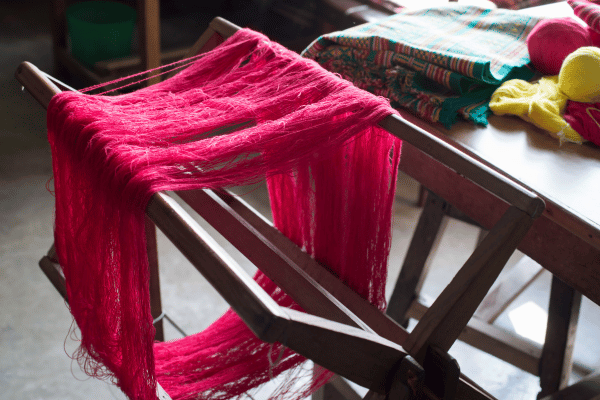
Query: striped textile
pixel 390 5
pixel 521 4
pixel 588 11
pixel 395 6
pixel 440 63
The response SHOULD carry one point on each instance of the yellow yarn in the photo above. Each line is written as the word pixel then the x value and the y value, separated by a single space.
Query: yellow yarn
pixel 541 104
pixel 579 76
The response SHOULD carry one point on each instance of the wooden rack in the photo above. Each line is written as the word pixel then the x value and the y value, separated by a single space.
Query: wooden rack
pixel 375 349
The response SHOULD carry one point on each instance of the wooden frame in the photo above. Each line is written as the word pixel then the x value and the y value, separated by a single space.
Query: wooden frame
pixel 375 348
pixel 405 303
pixel 562 251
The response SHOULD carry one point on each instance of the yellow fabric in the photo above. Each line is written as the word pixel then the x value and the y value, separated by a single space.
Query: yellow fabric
pixel 579 76
pixel 541 103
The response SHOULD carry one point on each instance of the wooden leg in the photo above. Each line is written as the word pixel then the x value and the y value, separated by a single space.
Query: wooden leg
pixel 413 270
pixel 155 302
pixel 481 235
pixel 50 266
pixel 149 33
pixel 556 360
pixel 58 26
pixel 586 389
pixel 336 389
pixel 449 314
pixel 422 196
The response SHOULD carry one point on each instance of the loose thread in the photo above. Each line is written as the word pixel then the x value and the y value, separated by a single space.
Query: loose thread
pixel 273 364
pixel 48 188
pixel 184 63
pixel 61 83
pixel 145 79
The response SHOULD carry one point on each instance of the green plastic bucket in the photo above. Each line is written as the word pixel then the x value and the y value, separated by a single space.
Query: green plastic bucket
pixel 100 30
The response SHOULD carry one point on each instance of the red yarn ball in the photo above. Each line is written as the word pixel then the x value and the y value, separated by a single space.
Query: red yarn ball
pixel 552 40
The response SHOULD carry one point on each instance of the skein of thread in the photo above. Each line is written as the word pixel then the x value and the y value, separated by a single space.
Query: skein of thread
pixel 585 119
pixel 552 40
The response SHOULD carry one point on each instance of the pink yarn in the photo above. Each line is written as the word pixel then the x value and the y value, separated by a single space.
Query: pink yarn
pixel 588 11
pixel 594 36
pixel 585 119
pixel 552 40
pixel 331 175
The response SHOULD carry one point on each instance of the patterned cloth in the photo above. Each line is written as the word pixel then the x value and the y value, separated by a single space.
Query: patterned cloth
pixel 394 6
pixel 521 4
pixel 440 63
pixel 390 5
pixel 588 11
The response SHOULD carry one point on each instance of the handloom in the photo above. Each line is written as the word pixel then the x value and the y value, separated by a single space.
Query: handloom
pixel 362 355
pixel 439 63
pixel 331 176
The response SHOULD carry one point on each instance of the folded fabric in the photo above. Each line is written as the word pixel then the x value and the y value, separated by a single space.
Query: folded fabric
pixel 585 119
pixel 541 104
pixel 520 4
pixel 440 63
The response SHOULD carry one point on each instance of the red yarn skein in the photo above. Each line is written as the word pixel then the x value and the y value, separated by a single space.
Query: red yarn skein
pixel 585 119
pixel 552 40
pixel 594 36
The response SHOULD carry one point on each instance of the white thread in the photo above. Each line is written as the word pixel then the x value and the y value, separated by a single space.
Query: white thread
pixel 273 364
pixel 563 138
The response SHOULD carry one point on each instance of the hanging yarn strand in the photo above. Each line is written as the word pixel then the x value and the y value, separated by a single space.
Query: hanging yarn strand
pixel 331 178
pixel 165 69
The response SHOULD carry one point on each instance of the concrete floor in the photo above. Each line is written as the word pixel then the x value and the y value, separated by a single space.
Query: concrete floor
pixel 34 321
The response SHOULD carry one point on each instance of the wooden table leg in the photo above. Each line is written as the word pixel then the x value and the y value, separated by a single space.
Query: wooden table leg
pixel 155 301
pixel 586 389
pixel 451 311
pixel 556 359
pixel 336 389
pixel 413 270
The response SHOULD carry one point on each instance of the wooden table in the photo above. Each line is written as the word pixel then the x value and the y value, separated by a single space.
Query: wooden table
pixel 565 240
